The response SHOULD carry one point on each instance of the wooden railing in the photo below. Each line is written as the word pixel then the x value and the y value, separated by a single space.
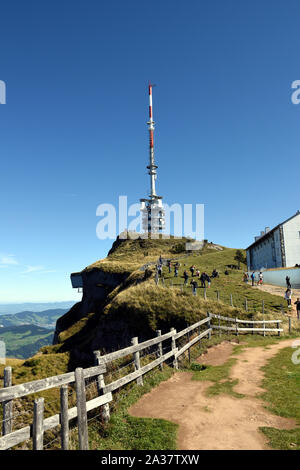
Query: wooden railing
pixel 40 425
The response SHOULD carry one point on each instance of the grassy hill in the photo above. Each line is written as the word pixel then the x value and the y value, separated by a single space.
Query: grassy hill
pixel 24 341
pixel 138 307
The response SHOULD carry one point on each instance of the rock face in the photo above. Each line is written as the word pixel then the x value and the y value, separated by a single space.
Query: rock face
pixel 97 285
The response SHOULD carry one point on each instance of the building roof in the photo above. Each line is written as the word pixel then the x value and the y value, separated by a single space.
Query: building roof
pixel 265 236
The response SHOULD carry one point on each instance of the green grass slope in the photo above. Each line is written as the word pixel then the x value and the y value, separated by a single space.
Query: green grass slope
pixel 148 307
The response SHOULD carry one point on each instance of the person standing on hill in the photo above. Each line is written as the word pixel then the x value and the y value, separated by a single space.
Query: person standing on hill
pixel 288 283
pixel 297 303
pixel 192 269
pixel 253 278
pixel 202 279
pixel 194 286
pixel 288 297
pixel 208 280
pixel 169 266
pixel 186 276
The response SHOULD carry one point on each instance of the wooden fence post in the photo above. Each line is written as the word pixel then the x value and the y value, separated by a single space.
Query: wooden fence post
pixel 208 324
pixel 7 405
pixel 231 301
pixel 136 358
pixel 236 327
pixel 219 325
pixel 264 326
pixel 290 325
pixel 105 413
pixel 163 281
pixel 173 347
pixel 38 424
pixel 278 325
pixel 81 410
pixel 159 349
pixel 64 418
pixel 204 293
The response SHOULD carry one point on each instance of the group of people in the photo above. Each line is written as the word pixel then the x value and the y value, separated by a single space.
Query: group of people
pixel 203 277
pixel 259 281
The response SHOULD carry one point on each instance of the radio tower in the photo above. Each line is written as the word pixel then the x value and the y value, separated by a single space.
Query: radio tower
pixel 152 208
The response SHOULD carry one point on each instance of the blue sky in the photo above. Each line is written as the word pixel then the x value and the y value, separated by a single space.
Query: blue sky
pixel 73 132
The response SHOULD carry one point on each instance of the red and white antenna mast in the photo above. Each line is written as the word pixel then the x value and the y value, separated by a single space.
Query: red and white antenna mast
pixel 151 167
pixel 152 209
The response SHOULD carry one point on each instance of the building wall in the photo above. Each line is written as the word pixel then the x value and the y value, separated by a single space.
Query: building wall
pixel 277 277
pixel 266 254
pixel 291 234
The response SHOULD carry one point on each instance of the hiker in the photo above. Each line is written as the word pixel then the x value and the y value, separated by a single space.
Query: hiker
pixel 186 277
pixel 246 277
pixel 226 272
pixel 197 273
pixel 202 279
pixel 192 269
pixel 159 270
pixel 297 303
pixel 169 266
pixel 288 297
pixel 260 279
pixel 160 259
pixel 208 280
pixel 253 278
pixel 176 270
pixel 214 273
pixel 288 283
pixel 194 286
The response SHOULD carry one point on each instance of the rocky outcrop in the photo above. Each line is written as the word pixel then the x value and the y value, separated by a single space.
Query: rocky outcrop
pixel 97 285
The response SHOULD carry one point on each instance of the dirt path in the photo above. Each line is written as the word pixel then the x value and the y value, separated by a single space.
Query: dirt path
pixel 277 290
pixel 222 421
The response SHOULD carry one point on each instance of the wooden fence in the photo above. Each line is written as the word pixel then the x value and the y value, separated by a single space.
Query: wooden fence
pixel 40 425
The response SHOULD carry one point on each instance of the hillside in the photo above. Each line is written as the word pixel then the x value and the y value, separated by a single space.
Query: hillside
pixel 24 341
pixel 45 319
pixel 121 299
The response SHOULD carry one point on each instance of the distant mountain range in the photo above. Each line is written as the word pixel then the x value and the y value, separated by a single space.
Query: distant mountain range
pixel 7 309
pixel 45 319
pixel 24 341
pixel 24 333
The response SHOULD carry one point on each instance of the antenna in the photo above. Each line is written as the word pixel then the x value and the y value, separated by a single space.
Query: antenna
pixel 152 209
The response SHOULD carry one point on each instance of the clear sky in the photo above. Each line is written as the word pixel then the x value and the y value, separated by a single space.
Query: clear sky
pixel 73 131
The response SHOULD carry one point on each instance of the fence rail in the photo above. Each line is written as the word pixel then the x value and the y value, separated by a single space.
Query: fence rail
pixel 40 425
